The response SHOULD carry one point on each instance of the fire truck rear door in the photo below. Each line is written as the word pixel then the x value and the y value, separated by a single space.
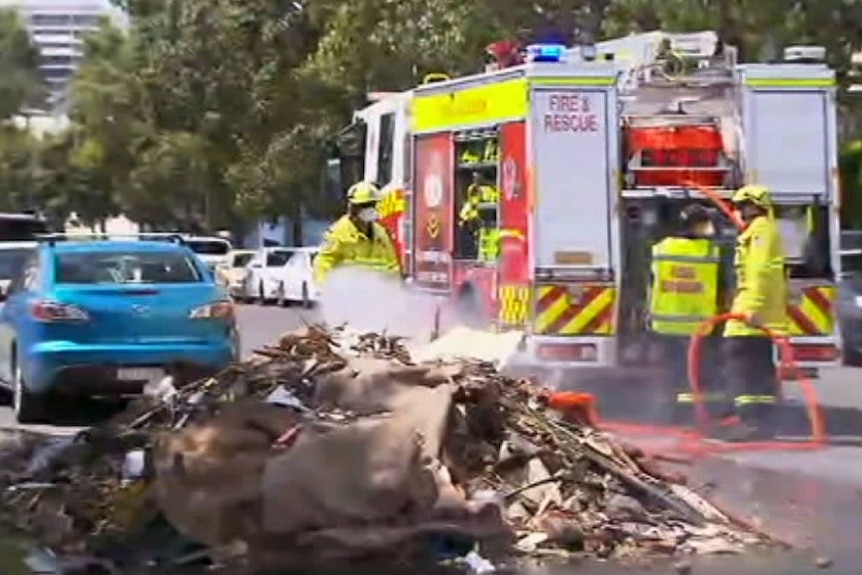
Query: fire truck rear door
pixel 571 134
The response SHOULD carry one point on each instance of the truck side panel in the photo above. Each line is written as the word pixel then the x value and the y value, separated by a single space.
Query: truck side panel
pixel 433 226
pixel 569 132
pixel 574 261
pixel 791 147
pixel 514 272
pixel 788 149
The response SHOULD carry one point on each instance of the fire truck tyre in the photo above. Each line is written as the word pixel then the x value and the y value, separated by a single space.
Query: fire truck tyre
pixel 469 309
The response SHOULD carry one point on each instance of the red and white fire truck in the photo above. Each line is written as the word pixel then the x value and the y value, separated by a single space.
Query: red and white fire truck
pixel 593 151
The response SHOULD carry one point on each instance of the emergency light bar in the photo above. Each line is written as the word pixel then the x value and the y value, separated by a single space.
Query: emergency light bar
pixel 545 52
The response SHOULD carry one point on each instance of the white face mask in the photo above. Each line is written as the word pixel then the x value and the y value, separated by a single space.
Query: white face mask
pixel 368 215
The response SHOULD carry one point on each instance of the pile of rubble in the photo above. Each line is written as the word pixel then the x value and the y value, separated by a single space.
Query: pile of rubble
pixel 330 448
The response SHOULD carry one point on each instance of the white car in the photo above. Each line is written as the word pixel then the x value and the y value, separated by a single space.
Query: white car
pixel 263 274
pixel 296 279
pixel 12 258
pixel 212 250
pixel 231 274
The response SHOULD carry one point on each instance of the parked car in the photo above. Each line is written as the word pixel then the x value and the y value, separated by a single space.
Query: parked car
pixel 12 258
pixel 231 274
pixel 213 251
pixel 262 277
pixel 296 279
pixel 108 317
pixel 850 316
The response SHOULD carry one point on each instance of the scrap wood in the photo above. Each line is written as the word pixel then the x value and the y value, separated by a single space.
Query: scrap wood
pixel 500 427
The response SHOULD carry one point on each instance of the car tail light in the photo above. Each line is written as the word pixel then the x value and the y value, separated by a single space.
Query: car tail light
pixel 567 352
pixel 215 310
pixel 50 312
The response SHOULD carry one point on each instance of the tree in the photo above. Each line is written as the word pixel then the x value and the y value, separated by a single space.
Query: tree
pixel 19 62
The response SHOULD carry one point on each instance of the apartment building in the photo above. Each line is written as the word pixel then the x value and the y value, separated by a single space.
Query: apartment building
pixel 57 28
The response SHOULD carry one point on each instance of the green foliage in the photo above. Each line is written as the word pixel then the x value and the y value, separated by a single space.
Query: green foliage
pixel 21 85
pixel 213 112
pixel 850 167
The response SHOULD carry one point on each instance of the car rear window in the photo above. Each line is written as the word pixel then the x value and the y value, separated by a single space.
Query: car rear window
pixel 157 267
pixel 241 260
pixel 275 259
pixel 209 247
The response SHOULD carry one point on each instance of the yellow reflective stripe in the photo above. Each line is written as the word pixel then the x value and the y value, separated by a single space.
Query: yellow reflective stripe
pixel 790 82
pixel 706 397
pixel 514 304
pixel 754 400
pixel 585 81
pixel 485 104
pixel 488 103
pixel 823 320
pixel 392 203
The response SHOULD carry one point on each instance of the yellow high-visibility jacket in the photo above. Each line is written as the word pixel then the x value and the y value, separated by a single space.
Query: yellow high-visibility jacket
pixel 761 282
pixel 344 244
pixel 685 284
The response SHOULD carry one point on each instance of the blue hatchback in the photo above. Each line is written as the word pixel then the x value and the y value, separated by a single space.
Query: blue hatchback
pixel 107 317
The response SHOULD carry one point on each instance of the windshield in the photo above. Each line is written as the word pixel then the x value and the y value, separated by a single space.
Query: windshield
pixel 163 267
pixel 279 258
pixel 209 247
pixel 241 260
pixel 12 262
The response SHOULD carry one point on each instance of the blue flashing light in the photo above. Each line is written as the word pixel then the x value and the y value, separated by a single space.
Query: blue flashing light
pixel 546 52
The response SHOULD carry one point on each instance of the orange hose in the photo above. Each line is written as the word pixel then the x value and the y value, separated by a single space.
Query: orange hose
pixel 716 199
pixel 815 413
pixel 692 442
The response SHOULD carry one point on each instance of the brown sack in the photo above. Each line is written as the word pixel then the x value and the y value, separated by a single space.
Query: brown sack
pixel 208 475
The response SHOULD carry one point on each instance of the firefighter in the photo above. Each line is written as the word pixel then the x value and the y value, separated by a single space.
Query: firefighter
pixel 685 293
pixel 357 239
pixel 478 238
pixel 761 296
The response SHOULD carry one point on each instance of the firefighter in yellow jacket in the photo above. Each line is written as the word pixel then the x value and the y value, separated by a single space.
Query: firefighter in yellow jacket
pixel 761 297
pixel 685 293
pixel 356 239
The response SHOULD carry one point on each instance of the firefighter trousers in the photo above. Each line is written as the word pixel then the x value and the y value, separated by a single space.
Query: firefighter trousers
pixel 750 377
pixel 674 360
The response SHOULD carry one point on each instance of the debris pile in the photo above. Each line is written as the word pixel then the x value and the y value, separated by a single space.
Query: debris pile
pixel 333 447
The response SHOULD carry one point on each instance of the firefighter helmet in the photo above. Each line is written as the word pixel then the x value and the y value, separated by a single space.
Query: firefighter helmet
pixel 363 193
pixel 757 195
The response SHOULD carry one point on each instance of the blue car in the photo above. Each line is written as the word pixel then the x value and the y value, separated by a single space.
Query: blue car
pixel 105 317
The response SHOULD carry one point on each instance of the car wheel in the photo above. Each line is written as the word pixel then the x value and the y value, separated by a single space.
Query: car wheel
pixel 27 407
pixel 282 299
pixel 852 358
pixel 306 299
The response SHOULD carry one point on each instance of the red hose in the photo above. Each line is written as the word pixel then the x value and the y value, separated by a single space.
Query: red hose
pixel 819 435
pixel 692 442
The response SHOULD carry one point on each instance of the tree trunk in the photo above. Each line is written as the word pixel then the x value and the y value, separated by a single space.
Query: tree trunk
pixel 296 230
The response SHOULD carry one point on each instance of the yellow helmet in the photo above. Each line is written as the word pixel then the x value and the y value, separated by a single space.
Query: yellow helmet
pixel 363 193
pixel 757 195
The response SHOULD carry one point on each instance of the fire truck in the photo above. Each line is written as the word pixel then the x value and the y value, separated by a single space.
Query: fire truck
pixel 592 152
